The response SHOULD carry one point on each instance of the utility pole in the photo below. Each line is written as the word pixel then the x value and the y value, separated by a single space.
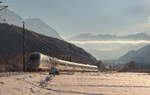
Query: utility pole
pixel 70 53
pixel 70 58
pixel 23 47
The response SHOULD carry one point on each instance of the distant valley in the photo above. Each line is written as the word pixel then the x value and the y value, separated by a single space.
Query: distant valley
pixel 110 47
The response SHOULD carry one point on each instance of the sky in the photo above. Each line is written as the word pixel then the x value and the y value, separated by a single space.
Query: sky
pixel 72 17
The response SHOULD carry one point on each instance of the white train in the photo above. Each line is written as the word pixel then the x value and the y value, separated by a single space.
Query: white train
pixel 38 62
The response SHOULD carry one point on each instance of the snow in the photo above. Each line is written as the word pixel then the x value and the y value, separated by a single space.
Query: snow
pixel 77 84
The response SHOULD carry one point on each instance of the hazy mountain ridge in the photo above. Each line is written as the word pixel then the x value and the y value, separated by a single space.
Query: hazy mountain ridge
pixel 140 56
pixel 34 24
pixel 41 27
pixel 11 47
pixel 88 36
pixel 10 17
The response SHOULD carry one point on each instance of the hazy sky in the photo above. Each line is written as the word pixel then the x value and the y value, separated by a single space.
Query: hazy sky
pixel 71 17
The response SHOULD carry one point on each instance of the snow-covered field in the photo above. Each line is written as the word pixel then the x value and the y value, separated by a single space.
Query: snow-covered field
pixel 77 84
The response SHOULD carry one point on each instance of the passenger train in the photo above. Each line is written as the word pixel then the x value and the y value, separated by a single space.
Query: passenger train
pixel 40 62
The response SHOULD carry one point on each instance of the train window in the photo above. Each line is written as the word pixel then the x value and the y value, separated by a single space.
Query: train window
pixel 35 57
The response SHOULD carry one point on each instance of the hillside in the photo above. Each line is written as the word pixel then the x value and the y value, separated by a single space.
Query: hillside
pixel 11 48
pixel 140 56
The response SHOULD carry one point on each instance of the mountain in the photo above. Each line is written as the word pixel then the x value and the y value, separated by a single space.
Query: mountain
pixel 41 27
pixel 140 56
pixel 11 48
pixel 34 24
pixel 128 56
pixel 137 36
pixel 88 36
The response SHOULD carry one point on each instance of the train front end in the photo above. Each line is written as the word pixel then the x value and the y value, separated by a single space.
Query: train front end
pixel 34 62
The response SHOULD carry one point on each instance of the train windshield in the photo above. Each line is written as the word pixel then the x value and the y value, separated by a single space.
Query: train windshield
pixel 35 57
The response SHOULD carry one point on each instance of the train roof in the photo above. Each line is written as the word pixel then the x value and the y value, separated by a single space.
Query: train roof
pixel 63 62
pixel 77 64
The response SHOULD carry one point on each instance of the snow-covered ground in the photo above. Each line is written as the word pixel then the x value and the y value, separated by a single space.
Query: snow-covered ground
pixel 77 84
